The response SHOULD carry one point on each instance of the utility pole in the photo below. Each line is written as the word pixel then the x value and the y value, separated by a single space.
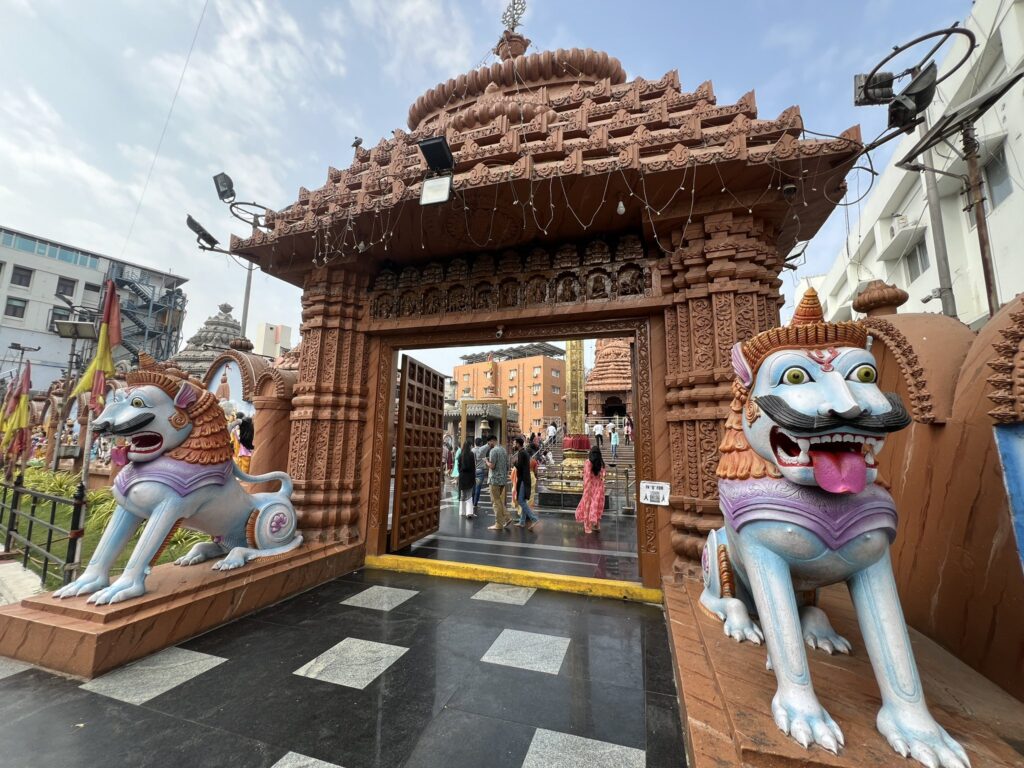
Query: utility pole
pixel 938 231
pixel 976 200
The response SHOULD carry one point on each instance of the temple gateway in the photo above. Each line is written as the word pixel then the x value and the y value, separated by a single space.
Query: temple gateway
pixel 583 205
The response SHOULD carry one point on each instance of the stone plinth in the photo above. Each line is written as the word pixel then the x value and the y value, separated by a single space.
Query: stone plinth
pixel 726 695
pixel 85 640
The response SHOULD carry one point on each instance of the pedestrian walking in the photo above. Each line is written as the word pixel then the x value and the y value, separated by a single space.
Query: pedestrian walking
pixel 591 506
pixel 599 434
pixel 552 431
pixel 613 440
pixel 628 430
pixel 497 463
pixel 467 479
pixel 480 456
pixel 523 487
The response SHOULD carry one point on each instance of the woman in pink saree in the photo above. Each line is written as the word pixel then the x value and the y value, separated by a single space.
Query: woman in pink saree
pixel 591 506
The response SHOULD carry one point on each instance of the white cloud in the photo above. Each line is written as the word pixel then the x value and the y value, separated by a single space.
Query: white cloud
pixel 413 35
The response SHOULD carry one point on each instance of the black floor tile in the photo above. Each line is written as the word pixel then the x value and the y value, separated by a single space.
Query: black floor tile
pixel 590 708
pixel 659 671
pixel 51 722
pixel 457 739
pixel 665 747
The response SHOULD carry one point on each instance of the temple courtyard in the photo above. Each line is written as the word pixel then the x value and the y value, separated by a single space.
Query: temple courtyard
pixel 373 669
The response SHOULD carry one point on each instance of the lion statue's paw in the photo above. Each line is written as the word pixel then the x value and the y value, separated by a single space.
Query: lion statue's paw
pixel 800 716
pixel 914 733
pixel 818 632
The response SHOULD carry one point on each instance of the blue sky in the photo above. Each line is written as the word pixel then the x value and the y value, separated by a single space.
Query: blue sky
pixel 274 93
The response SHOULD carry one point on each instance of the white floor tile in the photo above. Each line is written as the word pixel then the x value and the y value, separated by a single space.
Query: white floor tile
pixel 505 593
pixel 147 678
pixel 295 760
pixel 353 663
pixel 528 650
pixel 10 667
pixel 550 749
pixel 380 598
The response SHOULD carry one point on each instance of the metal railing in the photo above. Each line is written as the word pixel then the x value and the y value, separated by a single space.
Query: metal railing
pixel 43 534
pixel 560 488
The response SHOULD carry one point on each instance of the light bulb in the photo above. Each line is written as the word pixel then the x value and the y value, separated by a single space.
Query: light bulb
pixel 620 208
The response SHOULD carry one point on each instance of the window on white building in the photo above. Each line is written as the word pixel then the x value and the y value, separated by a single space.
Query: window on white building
pixel 997 179
pixel 21 276
pixel 917 260
pixel 59 313
pixel 15 307
pixel 66 286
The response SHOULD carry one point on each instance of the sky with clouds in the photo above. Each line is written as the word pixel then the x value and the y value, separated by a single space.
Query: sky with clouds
pixel 274 93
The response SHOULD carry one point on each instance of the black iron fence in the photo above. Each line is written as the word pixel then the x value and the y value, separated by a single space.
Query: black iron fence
pixel 44 530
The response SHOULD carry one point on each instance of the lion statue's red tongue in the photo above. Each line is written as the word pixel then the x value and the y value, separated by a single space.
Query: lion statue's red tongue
pixel 119 455
pixel 840 471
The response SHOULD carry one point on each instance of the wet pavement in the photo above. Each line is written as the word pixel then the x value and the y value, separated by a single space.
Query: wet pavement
pixel 373 669
pixel 557 545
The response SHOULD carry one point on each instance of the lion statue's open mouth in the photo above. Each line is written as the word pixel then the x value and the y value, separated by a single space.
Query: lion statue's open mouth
pixel 840 460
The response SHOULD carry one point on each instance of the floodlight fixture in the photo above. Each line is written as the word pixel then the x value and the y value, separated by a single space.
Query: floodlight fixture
pixel 225 187
pixel 438 154
pixel 914 99
pixel 75 329
pixel 437 189
pixel 203 236
pixel 874 91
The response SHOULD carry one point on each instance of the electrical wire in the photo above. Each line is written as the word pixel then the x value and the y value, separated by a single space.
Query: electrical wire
pixel 163 131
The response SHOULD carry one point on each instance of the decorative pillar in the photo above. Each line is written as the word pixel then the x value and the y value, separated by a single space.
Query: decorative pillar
pixel 329 406
pixel 272 427
pixel 724 278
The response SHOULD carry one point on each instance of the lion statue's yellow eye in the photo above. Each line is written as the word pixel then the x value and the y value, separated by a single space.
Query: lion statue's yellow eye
pixel 138 402
pixel 865 374
pixel 795 375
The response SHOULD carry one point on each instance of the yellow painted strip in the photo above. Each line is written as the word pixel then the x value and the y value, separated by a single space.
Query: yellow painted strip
pixel 581 585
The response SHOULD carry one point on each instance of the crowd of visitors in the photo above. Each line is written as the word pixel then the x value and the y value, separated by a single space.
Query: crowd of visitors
pixel 482 461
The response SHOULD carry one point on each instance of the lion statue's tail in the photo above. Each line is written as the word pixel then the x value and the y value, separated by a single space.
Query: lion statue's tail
pixel 285 480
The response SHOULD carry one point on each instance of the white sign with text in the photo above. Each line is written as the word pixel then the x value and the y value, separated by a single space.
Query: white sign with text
pixel 654 493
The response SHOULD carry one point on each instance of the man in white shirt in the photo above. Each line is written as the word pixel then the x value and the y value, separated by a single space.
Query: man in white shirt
pixel 599 434
pixel 551 434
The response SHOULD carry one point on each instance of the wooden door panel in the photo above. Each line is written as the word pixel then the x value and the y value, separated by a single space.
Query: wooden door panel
pixel 418 478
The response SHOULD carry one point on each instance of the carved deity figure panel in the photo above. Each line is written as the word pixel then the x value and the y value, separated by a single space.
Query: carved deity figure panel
pixel 384 306
pixel 803 510
pixel 409 304
pixel 598 285
pixel 458 299
pixel 567 287
pixel 508 296
pixel 433 301
pixel 631 280
pixel 536 290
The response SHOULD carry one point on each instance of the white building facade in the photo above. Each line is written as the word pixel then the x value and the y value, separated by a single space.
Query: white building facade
pixel 894 240
pixel 272 340
pixel 34 270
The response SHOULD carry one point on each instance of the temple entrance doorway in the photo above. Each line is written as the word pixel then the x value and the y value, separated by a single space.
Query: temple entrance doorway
pixel 448 395
pixel 613 406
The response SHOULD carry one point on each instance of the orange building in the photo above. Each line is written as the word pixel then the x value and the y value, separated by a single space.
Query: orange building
pixel 530 377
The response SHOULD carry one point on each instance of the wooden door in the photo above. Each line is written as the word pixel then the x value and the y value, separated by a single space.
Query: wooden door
pixel 418 474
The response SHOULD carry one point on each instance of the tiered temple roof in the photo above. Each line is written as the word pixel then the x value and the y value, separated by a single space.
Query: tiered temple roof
pixel 526 133
pixel 612 371
pixel 215 336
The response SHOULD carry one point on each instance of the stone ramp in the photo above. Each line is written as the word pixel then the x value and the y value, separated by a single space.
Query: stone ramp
pixel 726 696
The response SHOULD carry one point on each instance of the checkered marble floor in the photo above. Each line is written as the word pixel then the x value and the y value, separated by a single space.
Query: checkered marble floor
pixel 373 669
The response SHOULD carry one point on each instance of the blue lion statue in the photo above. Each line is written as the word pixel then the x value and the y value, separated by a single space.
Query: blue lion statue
pixel 798 490
pixel 180 472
